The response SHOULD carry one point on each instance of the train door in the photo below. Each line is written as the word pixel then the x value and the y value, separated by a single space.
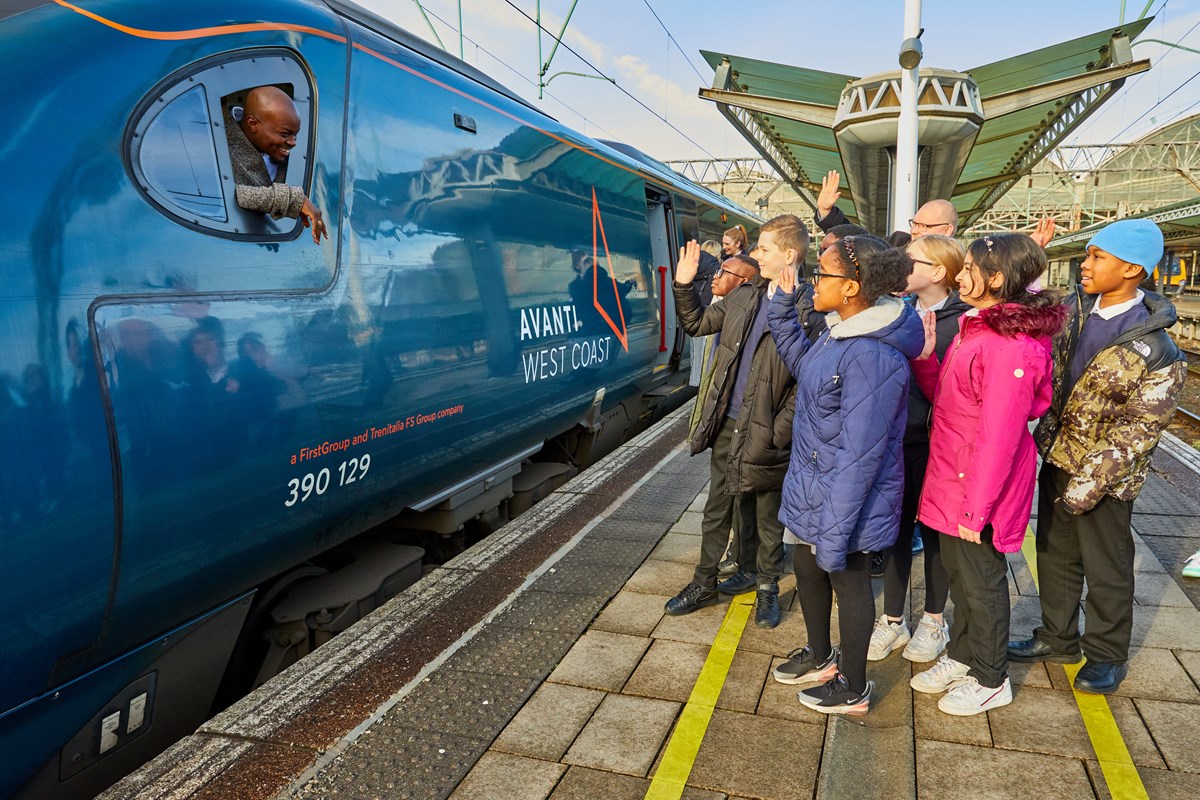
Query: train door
pixel 661 219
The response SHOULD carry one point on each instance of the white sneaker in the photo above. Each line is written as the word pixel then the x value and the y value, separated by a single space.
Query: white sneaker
pixel 886 637
pixel 944 674
pixel 928 641
pixel 968 697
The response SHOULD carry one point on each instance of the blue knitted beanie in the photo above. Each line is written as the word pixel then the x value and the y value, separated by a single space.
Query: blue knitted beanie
pixel 1135 241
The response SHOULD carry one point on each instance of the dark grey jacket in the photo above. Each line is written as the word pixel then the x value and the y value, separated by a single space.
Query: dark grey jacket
pixel 253 187
pixel 762 439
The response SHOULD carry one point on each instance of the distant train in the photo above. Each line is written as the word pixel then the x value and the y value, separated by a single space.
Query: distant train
pixel 204 417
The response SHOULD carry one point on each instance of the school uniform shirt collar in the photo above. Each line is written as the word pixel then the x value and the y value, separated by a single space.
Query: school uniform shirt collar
pixel 935 307
pixel 1119 308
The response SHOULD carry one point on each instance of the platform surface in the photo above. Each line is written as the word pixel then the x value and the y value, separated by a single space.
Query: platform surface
pixel 566 679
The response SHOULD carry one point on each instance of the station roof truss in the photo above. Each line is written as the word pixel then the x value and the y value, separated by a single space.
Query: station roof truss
pixel 1023 107
pixel 1084 185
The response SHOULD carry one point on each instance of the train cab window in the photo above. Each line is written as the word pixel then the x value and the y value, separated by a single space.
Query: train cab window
pixel 179 154
pixel 178 158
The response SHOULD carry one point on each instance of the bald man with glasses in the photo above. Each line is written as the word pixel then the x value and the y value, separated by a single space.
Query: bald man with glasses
pixel 936 216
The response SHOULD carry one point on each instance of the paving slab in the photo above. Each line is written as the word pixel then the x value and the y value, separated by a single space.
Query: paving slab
pixel 466 704
pixel 1160 784
pixel 1021 575
pixel 624 735
pixel 778 700
pixel 1028 675
pixel 1166 627
pixel 1159 496
pixel 581 783
pixel 744 685
pixel 1166 525
pixel 1191 663
pixel 668 671
pixel 1176 729
pixel 891 700
pixel 858 760
pixel 689 522
pixel 385 762
pixel 1144 558
pixel 550 611
pixel 577 578
pixel 632 530
pixel 1157 674
pixel 782 639
pixel 1025 615
pixel 698 627
pixel 608 552
pixel 954 770
pixel 661 577
pixel 499 775
pixel 932 724
pixel 1158 589
pixel 678 547
pixel 518 652
pixel 751 756
pixel 601 660
pixel 697 505
pixel 632 613
pixel 549 722
pixel 1048 721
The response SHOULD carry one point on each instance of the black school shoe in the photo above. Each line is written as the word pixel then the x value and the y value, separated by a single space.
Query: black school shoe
pixel 692 597
pixel 766 606
pixel 1096 677
pixel 1034 649
pixel 836 697
pixel 738 583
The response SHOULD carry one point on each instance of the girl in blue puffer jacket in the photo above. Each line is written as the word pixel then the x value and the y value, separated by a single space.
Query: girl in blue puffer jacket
pixel 845 481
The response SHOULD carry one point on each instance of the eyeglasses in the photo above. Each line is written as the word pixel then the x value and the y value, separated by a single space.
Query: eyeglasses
pixel 723 271
pixel 817 275
pixel 913 225
pixel 921 261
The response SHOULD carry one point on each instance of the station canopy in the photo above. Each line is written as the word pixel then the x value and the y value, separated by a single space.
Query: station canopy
pixel 1008 116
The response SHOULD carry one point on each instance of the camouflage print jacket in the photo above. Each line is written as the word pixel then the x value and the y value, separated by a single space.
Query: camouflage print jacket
pixel 1103 430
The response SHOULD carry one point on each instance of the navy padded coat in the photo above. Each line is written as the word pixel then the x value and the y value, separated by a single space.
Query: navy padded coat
pixel 845 479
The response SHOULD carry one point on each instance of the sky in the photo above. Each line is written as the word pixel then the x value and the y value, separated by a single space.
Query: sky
pixel 660 64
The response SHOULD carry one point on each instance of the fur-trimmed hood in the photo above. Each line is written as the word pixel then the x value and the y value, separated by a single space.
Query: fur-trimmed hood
pixel 1010 319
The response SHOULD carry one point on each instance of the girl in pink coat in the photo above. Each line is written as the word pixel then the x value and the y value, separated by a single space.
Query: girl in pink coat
pixel 978 492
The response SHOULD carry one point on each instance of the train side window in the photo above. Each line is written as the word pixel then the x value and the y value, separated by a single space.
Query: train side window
pixel 179 160
pixel 178 153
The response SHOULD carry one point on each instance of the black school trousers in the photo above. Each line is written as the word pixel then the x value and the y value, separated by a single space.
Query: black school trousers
pixel 1096 546
pixel 718 517
pixel 979 590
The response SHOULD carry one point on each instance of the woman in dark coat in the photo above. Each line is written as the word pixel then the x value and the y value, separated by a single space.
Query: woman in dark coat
pixel 844 484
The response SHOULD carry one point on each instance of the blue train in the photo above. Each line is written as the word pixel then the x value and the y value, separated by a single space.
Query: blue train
pixel 205 418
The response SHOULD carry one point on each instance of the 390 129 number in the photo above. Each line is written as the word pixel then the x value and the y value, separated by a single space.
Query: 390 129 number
pixel 300 489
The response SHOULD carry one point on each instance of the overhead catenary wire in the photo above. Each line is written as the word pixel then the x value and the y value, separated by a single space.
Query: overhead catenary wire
pixel 525 78
pixel 613 81
pixel 1091 120
pixel 1156 105
pixel 672 38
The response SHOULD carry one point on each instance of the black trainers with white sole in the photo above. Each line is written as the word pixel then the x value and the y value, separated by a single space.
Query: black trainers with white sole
pixel 836 697
pixel 803 666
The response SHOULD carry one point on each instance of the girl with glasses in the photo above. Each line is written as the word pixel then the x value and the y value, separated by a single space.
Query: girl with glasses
pixel 842 491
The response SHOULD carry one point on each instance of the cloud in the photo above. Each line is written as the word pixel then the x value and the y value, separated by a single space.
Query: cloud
pixel 657 91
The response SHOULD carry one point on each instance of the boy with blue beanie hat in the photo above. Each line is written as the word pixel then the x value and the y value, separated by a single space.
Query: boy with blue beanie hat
pixel 1117 375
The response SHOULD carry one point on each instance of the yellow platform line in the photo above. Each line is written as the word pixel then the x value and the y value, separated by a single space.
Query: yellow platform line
pixel 671 777
pixel 1124 782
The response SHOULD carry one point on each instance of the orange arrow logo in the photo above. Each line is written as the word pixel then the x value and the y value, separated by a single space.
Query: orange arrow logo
pixel 598 225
